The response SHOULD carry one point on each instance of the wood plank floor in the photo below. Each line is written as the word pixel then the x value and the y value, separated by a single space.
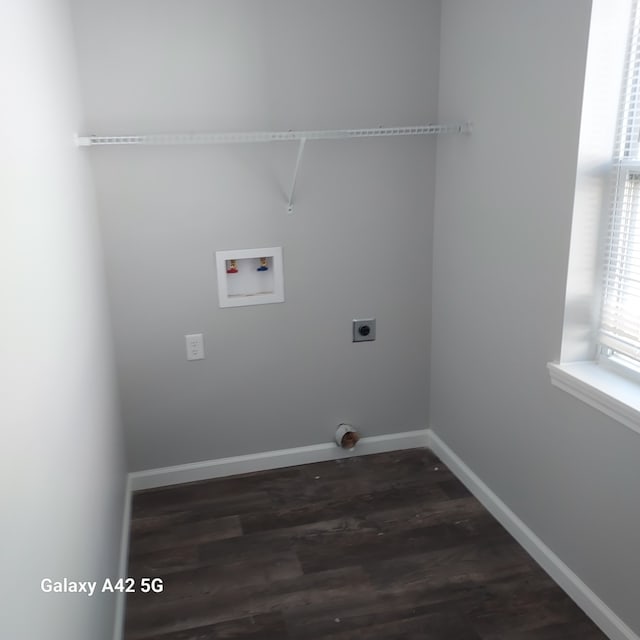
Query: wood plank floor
pixel 378 547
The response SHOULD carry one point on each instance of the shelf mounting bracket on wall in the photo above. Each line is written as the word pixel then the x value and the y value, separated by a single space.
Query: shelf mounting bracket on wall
pixel 295 174
pixel 271 136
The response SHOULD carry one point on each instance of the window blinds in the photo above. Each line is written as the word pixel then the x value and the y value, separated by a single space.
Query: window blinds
pixel 620 317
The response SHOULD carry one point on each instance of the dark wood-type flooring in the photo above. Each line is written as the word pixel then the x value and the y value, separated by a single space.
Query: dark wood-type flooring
pixel 378 547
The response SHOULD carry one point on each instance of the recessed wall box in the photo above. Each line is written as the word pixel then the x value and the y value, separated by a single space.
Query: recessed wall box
pixel 250 276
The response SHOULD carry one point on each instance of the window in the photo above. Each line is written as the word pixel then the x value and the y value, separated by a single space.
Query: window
pixel 619 334
pixel 600 352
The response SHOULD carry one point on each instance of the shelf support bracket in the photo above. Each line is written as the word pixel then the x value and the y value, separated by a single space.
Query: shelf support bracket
pixel 295 175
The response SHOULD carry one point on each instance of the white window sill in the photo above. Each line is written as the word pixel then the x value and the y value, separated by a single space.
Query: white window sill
pixel 613 394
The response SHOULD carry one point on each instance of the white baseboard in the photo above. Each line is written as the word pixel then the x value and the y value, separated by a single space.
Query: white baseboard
pixel 221 467
pixel 118 628
pixel 584 597
pixel 575 588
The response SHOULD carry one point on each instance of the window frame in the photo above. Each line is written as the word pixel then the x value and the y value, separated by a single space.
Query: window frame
pixel 583 369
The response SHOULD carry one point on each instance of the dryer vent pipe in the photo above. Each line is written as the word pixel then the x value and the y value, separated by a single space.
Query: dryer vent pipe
pixel 346 436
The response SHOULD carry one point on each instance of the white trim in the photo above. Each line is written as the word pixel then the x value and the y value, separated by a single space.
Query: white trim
pixel 118 628
pixel 612 394
pixel 220 467
pixel 575 588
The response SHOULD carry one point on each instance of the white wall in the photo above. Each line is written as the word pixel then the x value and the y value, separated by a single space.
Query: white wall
pixel 358 245
pixel 62 466
pixel 504 200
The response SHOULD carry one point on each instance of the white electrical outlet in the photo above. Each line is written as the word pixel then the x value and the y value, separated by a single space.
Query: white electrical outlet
pixel 195 346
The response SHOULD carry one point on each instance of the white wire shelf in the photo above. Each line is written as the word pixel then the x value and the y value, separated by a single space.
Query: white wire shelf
pixel 269 136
